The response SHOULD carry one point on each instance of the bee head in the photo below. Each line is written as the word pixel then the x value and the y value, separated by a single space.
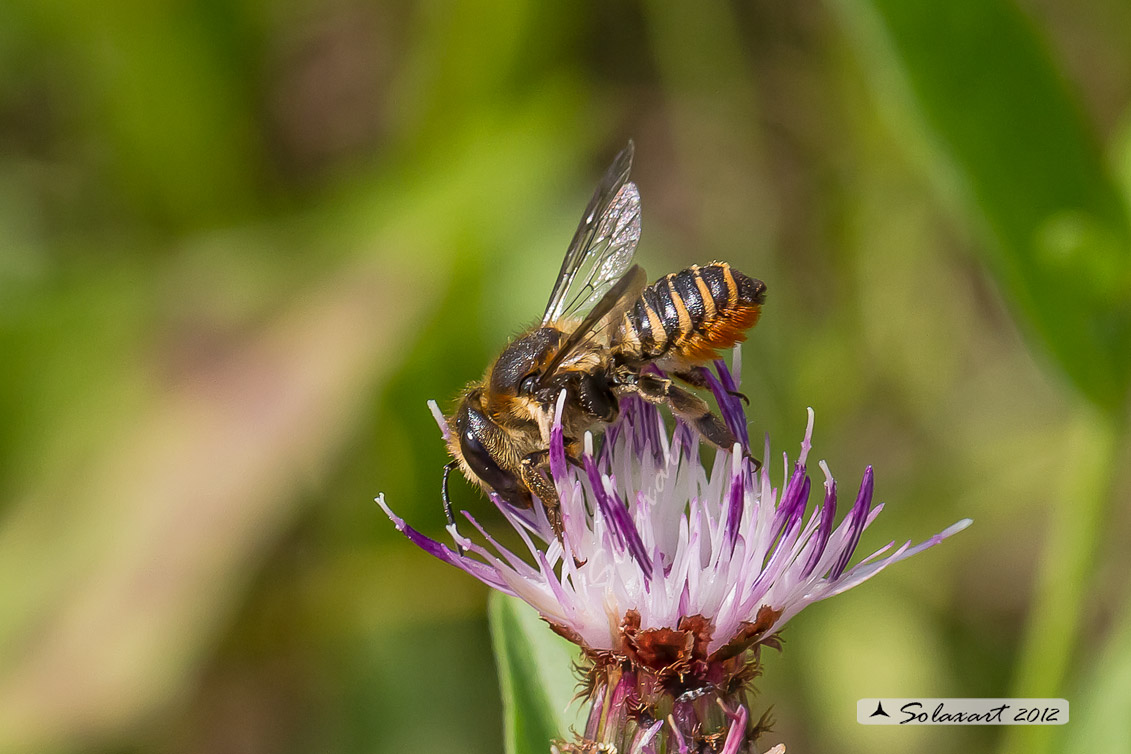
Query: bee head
pixel 519 368
pixel 481 441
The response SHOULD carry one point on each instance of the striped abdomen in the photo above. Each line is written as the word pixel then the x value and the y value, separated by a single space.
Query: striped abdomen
pixel 691 314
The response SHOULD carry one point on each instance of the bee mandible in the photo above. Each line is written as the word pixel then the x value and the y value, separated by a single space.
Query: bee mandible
pixel 602 330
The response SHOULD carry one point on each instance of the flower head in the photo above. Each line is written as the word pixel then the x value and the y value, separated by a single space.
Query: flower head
pixel 671 570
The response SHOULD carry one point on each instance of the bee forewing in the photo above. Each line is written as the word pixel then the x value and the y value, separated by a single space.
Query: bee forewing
pixel 613 249
pixel 603 246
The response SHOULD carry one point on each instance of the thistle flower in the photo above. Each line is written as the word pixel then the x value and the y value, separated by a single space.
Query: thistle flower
pixel 672 576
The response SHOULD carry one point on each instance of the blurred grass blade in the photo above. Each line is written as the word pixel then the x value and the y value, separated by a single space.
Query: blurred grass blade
pixel 117 594
pixel 535 676
pixel 1006 133
pixel 1099 715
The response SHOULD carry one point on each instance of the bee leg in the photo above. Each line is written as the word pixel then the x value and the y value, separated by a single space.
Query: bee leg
pixel 696 377
pixel 537 483
pixel 573 453
pixel 596 398
pixel 544 489
pixel 691 408
pixel 448 502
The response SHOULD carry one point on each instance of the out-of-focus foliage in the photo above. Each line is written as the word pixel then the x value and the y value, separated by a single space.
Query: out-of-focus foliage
pixel 536 677
pixel 1057 240
pixel 1031 170
pixel 243 243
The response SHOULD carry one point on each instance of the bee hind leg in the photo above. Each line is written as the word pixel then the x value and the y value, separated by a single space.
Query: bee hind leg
pixel 689 407
pixel 740 395
pixel 696 377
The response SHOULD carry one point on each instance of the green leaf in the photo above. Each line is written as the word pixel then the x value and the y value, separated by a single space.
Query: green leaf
pixel 979 83
pixel 535 676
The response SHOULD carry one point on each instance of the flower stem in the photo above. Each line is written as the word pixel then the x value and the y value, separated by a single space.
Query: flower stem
pixel 1066 570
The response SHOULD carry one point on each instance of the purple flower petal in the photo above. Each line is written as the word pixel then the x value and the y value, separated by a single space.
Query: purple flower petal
pixel 857 515
pixel 484 573
pixel 794 496
pixel 645 736
pixel 735 504
pixel 730 406
pixel 557 443
pixel 736 736
pixel 821 540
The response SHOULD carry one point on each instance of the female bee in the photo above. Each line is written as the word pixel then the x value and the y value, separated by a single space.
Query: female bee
pixel 602 327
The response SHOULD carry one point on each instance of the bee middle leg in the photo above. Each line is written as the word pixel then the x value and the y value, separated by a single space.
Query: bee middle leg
pixel 591 394
pixel 596 397
pixel 689 407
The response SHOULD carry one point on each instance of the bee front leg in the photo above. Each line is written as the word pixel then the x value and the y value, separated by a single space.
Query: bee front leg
pixel 532 476
pixel 532 466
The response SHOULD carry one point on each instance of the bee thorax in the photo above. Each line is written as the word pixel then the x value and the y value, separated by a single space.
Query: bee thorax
pixel 526 356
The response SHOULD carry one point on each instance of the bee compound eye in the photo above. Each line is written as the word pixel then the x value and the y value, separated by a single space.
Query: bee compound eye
pixel 528 385
pixel 484 466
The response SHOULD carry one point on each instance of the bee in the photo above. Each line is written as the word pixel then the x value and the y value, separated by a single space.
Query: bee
pixel 601 331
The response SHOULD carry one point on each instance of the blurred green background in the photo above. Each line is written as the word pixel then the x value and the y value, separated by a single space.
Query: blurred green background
pixel 242 243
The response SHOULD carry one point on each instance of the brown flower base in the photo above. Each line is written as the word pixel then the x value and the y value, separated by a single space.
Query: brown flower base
pixel 662 689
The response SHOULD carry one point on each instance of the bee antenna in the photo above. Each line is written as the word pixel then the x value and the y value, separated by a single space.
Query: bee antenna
pixel 448 502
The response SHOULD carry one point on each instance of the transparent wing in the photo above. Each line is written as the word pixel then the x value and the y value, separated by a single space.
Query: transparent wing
pixel 618 296
pixel 603 245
